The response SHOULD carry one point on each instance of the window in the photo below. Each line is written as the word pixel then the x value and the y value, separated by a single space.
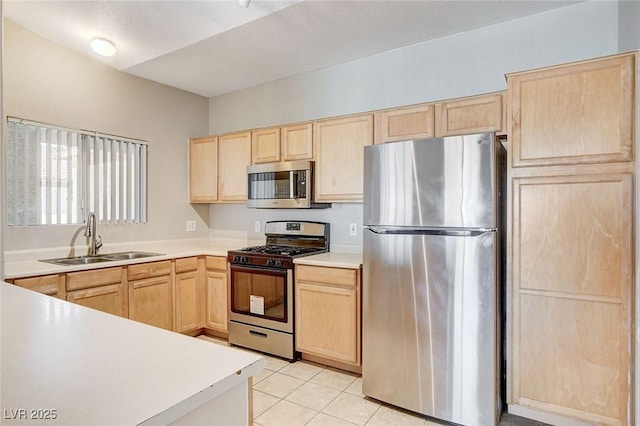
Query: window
pixel 58 176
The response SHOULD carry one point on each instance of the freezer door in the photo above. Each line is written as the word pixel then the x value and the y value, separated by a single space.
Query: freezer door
pixel 430 324
pixel 442 182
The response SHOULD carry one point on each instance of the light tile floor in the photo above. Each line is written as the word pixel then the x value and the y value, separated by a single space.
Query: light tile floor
pixel 304 393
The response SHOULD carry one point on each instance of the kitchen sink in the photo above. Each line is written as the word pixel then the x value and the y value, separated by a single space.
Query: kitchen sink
pixel 128 255
pixel 108 257
pixel 80 260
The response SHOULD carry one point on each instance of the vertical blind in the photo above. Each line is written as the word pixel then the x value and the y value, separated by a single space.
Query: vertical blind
pixel 57 175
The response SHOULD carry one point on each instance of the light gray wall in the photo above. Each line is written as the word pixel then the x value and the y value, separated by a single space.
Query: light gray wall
pixel 47 82
pixel 629 19
pixel 459 65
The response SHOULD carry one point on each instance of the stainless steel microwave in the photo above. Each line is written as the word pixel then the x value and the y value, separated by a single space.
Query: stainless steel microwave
pixel 284 185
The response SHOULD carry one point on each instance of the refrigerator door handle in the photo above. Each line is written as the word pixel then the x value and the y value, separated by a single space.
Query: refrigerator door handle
pixel 404 230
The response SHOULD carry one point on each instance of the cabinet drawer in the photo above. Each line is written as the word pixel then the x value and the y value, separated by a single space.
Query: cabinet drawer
pixel 47 284
pixel 187 264
pixel 217 263
pixel 320 274
pixel 147 270
pixel 94 278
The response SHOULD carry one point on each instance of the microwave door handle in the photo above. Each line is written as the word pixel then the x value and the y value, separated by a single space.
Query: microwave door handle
pixel 293 193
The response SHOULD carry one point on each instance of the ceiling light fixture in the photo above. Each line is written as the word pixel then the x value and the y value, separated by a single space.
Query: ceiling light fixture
pixel 244 3
pixel 102 46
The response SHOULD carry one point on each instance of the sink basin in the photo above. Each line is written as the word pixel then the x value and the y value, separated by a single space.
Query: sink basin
pixel 80 260
pixel 108 257
pixel 128 255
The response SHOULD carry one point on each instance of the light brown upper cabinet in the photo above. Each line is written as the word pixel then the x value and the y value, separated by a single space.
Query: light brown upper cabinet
pixel 572 114
pixel 465 116
pixel 286 143
pixel 297 142
pixel 203 170
pixel 399 124
pixel 338 146
pixel 265 145
pixel 234 155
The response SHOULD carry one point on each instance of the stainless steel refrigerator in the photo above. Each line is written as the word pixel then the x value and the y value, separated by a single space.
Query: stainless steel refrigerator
pixel 431 289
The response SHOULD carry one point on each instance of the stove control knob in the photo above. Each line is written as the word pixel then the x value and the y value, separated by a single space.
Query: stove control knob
pixel 236 259
pixel 279 263
pixel 244 259
pixel 270 262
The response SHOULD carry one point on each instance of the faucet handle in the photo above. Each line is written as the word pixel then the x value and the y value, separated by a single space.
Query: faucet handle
pixel 98 242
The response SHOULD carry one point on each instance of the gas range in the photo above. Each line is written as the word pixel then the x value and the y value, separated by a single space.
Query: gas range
pixel 261 314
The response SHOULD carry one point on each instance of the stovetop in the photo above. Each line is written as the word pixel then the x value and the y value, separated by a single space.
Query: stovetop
pixel 286 240
pixel 281 250
pixel 277 256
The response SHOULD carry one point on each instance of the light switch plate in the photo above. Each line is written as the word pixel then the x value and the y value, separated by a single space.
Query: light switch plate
pixel 256 226
pixel 353 229
pixel 191 226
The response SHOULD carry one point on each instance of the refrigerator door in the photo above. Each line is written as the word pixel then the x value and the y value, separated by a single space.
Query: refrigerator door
pixel 430 323
pixel 442 182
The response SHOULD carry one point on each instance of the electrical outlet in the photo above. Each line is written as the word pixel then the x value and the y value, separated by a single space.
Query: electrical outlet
pixel 353 229
pixel 256 226
pixel 191 226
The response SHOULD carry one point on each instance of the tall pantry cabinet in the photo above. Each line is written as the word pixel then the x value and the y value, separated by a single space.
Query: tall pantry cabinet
pixel 572 174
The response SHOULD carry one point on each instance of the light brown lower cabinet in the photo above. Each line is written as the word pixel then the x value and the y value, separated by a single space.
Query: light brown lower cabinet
pixel 111 299
pixel 328 313
pixel 51 285
pixel 188 291
pixel 151 294
pixel 101 289
pixel 216 294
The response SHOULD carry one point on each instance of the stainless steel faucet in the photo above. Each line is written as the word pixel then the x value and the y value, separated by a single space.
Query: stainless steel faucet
pixel 91 232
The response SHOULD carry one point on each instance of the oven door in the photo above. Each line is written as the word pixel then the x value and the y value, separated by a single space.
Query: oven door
pixel 262 296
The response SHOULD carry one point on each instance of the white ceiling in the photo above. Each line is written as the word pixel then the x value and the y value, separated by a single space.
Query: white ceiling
pixel 213 47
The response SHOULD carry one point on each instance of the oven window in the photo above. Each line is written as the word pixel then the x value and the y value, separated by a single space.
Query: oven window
pixel 271 185
pixel 259 292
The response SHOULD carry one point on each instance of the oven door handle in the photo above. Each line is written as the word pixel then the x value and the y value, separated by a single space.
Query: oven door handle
pixel 241 267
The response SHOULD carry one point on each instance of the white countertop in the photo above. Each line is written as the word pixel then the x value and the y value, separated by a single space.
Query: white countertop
pixel 99 369
pixel 26 263
pixel 332 260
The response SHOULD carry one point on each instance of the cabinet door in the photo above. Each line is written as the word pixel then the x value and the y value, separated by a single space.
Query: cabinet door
pixel 327 322
pixel 111 299
pixel 203 170
pixel 187 302
pixel 580 113
pixel 51 285
pixel 297 142
pixel 265 146
pixel 401 124
pixel 338 145
pixel 234 155
pixel 151 302
pixel 216 292
pixel 572 296
pixel 470 115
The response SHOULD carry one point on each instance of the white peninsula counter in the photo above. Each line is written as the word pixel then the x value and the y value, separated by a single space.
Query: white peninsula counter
pixel 78 366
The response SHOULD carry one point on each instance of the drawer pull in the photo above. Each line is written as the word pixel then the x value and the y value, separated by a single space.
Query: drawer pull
pixel 257 333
